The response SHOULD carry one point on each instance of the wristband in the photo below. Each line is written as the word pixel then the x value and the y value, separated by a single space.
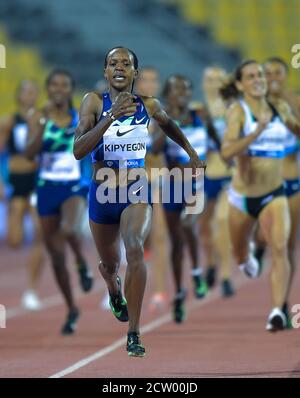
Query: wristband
pixel 111 115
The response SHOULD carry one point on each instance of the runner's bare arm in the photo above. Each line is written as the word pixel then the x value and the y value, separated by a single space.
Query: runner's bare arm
pixel 6 124
pixel 294 102
pixel 233 145
pixel 171 129
pixel 158 141
pixel 88 132
pixel 288 117
pixel 36 126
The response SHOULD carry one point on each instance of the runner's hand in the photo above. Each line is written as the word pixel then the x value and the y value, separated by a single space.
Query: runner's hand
pixel 196 163
pixel 124 105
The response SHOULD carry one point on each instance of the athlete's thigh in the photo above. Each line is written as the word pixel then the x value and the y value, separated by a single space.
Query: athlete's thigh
pixel 18 206
pixel 222 207
pixel 274 220
pixel 221 216
pixel 294 206
pixel 207 215
pixel 107 241
pixel 135 222
pixel 240 227
pixel 50 225
pixel 72 213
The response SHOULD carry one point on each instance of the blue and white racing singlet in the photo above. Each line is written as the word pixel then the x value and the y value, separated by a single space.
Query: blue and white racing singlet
pixel 124 143
pixel 57 162
pixel 292 143
pixel 271 142
pixel 197 137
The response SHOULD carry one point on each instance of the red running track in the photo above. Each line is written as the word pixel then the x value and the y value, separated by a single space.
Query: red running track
pixel 220 338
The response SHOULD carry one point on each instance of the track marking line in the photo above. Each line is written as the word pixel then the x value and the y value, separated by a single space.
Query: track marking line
pixel 240 281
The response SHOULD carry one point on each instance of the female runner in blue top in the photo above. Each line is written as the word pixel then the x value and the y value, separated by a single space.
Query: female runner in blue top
pixel 21 178
pixel 114 128
pixel 182 227
pixel 61 194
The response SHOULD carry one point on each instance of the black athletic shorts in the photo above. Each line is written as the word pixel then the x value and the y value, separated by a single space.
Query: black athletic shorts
pixel 253 205
pixel 22 184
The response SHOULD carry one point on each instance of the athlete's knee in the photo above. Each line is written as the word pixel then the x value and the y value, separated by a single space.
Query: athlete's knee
pixel 54 248
pixel 177 247
pixel 38 238
pixel 69 231
pixel 279 248
pixel 57 259
pixel 37 248
pixel 15 240
pixel 108 268
pixel 188 224
pixel 134 249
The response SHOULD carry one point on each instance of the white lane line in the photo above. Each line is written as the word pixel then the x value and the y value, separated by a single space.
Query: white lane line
pixel 215 295
pixel 52 301
pixel 99 354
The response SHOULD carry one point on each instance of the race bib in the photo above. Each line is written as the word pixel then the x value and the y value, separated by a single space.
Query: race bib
pixel 59 166
pixel 129 152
